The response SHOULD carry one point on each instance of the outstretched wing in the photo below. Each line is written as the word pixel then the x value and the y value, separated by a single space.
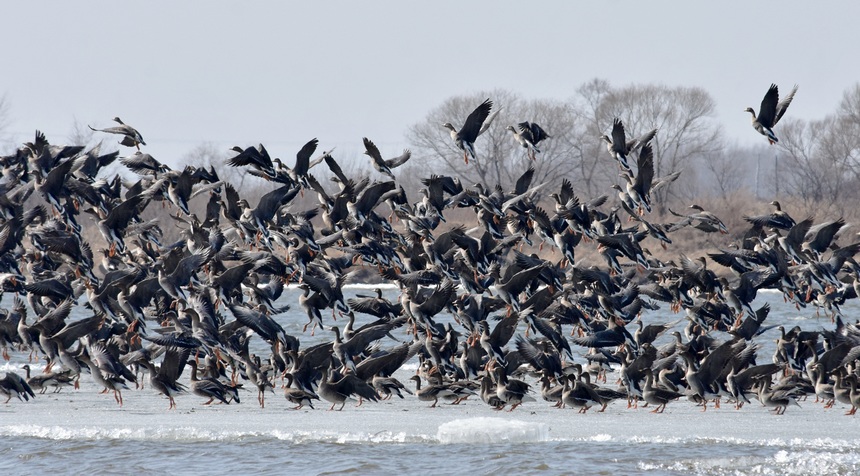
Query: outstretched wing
pixel 472 126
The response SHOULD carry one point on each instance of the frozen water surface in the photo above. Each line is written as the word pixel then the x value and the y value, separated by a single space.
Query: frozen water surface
pixel 85 432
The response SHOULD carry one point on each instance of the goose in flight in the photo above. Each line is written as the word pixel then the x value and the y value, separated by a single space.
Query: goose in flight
pixel 131 137
pixel 620 147
pixel 381 165
pixel 770 112
pixel 472 128
pixel 528 135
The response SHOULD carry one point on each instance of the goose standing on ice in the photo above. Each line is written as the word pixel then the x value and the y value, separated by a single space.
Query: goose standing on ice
pixel 431 392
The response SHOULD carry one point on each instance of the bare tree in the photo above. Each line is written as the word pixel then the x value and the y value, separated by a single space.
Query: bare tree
pixel 5 117
pixel 727 168
pixel 814 166
pixel 683 117
pixel 819 160
pixel 849 108
pixel 500 159
pixel 686 128
pixel 593 171
pixel 80 134
pixel 844 137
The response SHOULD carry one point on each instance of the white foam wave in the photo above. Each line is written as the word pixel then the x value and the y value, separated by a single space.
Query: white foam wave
pixel 817 444
pixel 829 444
pixel 201 434
pixel 348 437
pixel 783 462
pixel 669 440
pixel 410 367
pixel 808 318
pixel 16 367
pixel 491 430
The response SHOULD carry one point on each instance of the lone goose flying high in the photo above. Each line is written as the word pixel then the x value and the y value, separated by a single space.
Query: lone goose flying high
pixel 770 112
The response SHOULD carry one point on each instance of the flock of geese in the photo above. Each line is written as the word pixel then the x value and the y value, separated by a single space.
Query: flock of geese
pixel 156 309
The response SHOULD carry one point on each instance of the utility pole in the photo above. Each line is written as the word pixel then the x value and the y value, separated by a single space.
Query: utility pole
pixel 776 174
pixel 757 171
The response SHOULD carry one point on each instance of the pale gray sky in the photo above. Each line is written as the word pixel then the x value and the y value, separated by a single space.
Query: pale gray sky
pixel 281 73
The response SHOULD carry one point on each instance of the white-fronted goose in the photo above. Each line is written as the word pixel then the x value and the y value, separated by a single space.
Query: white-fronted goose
pixel 256 157
pixel 701 219
pixel 210 388
pixel 388 386
pixel 57 380
pixel 778 219
pixel 431 392
pixel 639 188
pixel 381 165
pixel 528 135
pixel 465 138
pixel 510 391
pixel 12 385
pixel 107 372
pixel 131 137
pixel 619 147
pixel 777 400
pixel 581 394
pixel 656 395
pixel 164 378
pixel 770 112
pixel 298 396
